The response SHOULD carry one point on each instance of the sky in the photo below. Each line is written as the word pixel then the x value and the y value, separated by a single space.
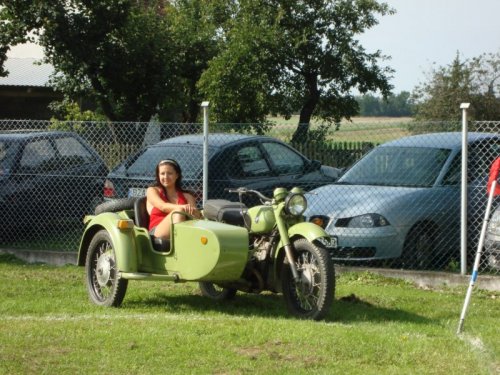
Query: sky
pixel 420 34
pixel 427 32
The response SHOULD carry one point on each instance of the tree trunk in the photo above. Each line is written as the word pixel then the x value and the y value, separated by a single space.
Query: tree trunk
pixel 310 102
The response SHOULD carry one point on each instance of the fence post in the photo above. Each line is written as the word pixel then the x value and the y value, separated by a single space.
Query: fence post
pixel 463 203
pixel 205 105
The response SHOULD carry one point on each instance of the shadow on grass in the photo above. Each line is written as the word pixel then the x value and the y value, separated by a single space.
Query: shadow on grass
pixel 351 309
pixel 347 309
pixel 343 310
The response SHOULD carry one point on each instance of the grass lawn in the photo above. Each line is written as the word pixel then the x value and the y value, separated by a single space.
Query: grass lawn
pixel 377 325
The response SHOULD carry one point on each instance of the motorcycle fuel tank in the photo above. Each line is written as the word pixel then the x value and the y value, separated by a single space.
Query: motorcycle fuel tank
pixel 262 219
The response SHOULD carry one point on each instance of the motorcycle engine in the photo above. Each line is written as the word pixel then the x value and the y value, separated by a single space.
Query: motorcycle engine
pixel 262 247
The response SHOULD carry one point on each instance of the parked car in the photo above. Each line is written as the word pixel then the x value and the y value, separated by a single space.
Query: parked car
pixel 492 241
pixel 235 160
pixel 47 175
pixel 402 199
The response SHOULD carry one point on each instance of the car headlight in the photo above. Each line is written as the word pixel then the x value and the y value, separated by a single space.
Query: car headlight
pixel 363 221
pixel 295 204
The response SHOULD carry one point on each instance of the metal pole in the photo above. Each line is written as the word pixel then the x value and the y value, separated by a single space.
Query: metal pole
pixel 478 258
pixel 205 105
pixel 463 202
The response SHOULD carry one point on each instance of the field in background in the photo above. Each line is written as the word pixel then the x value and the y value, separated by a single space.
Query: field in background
pixel 359 129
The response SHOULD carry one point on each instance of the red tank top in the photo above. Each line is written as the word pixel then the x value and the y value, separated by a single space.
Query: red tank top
pixel 157 215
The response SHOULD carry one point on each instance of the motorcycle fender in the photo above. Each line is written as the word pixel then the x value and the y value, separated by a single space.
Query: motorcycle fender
pixel 123 240
pixel 309 231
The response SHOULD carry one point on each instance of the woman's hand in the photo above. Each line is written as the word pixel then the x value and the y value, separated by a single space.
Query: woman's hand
pixel 189 209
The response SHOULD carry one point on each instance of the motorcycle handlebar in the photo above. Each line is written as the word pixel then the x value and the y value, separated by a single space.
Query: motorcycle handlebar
pixel 243 190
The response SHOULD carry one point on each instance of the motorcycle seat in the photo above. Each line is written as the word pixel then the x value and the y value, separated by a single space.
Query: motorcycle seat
pixel 141 218
pixel 224 211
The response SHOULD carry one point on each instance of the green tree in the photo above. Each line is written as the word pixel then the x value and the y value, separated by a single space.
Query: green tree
pixel 133 59
pixel 284 55
pixel 397 105
pixel 194 28
pixel 369 105
pixel 239 81
pixel 391 106
pixel 439 98
pixel 474 81
pixel 117 52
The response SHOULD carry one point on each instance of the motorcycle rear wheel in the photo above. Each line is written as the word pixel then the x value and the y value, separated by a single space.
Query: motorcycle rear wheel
pixel 312 295
pixel 216 292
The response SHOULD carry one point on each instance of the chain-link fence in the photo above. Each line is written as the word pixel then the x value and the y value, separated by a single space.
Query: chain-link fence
pixel 388 191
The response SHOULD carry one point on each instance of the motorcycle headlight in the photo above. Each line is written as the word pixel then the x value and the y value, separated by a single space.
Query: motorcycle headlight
pixel 364 221
pixel 295 204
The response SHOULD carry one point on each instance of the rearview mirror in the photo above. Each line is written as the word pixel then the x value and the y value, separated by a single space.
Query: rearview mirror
pixel 314 165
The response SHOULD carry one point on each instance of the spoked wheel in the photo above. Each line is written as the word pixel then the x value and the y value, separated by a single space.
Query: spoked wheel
pixel 104 284
pixel 216 292
pixel 311 296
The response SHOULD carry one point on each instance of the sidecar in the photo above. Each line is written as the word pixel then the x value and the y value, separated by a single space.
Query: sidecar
pixel 116 247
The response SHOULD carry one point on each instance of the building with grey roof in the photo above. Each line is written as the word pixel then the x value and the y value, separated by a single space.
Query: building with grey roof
pixel 25 92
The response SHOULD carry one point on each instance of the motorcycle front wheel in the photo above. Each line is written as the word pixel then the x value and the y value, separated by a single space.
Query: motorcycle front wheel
pixel 311 296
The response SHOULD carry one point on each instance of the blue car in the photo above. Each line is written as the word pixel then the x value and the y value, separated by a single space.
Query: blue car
pixel 235 160
pixel 402 199
pixel 47 176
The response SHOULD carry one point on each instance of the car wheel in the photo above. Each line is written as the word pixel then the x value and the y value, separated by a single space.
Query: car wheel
pixel 494 261
pixel 115 205
pixel 420 247
pixel 104 283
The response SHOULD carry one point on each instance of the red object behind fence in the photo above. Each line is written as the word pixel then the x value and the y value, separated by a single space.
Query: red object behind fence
pixel 494 172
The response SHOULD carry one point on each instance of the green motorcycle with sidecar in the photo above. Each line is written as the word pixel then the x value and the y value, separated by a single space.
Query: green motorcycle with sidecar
pixel 233 248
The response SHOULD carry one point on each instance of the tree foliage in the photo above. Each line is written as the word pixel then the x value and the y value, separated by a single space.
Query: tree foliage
pixel 393 106
pixel 296 55
pixel 475 81
pixel 112 51
pixel 248 57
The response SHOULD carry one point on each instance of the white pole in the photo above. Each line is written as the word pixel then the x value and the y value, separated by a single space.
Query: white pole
pixel 478 257
pixel 463 202
pixel 205 105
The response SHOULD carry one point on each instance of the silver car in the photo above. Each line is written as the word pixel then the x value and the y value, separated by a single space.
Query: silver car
pixel 402 199
pixel 492 243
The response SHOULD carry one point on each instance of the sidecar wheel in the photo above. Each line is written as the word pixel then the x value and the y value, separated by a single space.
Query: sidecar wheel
pixel 104 283
pixel 216 292
pixel 312 295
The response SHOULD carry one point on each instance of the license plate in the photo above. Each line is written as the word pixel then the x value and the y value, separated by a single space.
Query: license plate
pixel 329 242
pixel 136 192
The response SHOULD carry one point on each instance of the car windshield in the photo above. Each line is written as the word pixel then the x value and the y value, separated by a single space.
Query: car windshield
pixel 398 166
pixel 190 158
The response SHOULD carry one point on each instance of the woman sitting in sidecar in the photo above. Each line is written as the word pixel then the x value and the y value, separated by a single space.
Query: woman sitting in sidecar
pixel 167 201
